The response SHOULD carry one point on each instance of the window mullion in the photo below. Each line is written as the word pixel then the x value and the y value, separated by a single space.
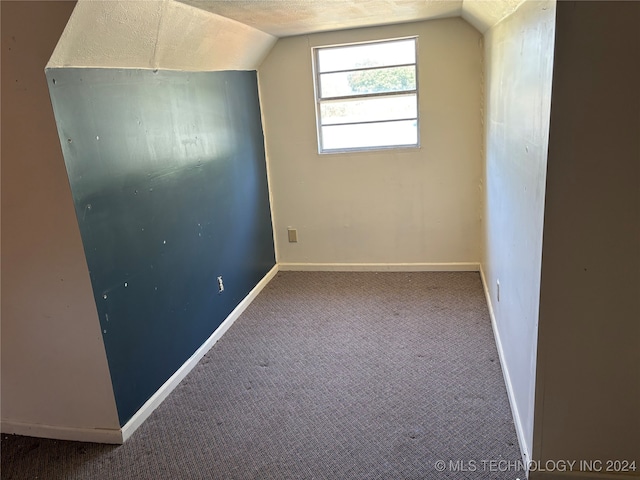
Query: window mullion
pixel 364 69
pixel 369 121
pixel 369 95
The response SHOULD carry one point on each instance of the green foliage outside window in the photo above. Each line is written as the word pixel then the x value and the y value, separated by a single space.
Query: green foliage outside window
pixel 383 80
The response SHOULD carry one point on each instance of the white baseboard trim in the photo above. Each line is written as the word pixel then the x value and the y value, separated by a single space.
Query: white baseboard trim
pixel 95 435
pixel 526 455
pixel 157 398
pixel 380 267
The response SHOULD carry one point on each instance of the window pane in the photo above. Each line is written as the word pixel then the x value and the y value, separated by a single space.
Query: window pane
pixel 370 109
pixel 394 79
pixel 398 52
pixel 366 135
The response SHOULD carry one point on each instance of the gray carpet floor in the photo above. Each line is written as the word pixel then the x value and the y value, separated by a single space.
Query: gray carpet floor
pixel 324 376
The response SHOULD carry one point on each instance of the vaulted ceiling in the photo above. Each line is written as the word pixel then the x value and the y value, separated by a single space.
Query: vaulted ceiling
pixel 283 18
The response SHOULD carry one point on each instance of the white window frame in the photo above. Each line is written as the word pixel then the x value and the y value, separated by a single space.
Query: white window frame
pixel 319 99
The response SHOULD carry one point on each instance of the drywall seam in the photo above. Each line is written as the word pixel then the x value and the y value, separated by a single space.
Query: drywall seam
pixel 526 455
pixel 80 67
pixel 154 56
pixel 380 267
pixel 163 392
pixel 95 435
pixel 188 39
pixel 157 34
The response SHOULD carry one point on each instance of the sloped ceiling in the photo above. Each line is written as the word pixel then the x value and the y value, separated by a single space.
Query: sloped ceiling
pixel 283 18
pixel 157 34
pixel 233 34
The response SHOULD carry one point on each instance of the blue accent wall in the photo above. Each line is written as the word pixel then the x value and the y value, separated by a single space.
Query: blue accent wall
pixel 169 183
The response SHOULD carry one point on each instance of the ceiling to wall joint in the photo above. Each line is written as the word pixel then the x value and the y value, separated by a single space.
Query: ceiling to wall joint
pixel 284 18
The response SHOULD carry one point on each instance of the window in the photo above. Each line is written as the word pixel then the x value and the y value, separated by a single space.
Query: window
pixel 366 95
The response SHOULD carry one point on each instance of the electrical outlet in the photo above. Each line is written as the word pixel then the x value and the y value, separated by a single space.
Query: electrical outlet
pixel 220 284
pixel 293 235
pixel 498 289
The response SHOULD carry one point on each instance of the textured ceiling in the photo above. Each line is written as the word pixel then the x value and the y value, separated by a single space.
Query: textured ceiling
pixel 157 34
pixel 213 35
pixel 484 14
pixel 283 18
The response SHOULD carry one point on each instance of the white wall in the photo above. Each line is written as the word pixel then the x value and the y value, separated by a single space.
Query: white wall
pixel 588 393
pixel 403 206
pixel 518 65
pixel 157 34
pixel 55 378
